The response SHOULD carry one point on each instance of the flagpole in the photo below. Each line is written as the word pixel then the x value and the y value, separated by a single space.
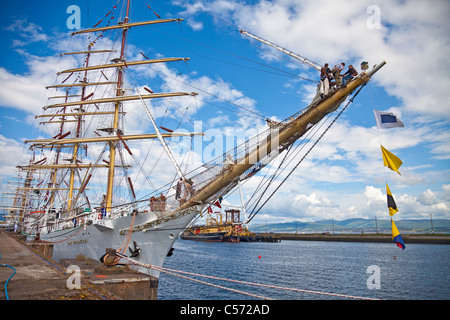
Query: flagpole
pixel 376 223
pixel 431 220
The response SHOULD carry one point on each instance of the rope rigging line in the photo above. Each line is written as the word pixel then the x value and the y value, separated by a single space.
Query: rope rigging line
pixel 212 95
pixel 299 147
pixel 183 114
pixel 217 286
pixel 195 169
pixel 279 170
pixel 276 72
pixel 234 27
pixel 285 59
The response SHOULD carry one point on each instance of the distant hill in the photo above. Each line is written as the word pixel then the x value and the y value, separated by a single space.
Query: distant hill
pixel 356 225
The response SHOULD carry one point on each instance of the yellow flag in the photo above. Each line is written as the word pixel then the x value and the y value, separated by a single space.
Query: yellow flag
pixel 390 160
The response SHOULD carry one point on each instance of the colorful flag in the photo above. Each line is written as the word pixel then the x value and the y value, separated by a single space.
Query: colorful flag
pixel 390 202
pixel 209 209
pixel 387 120
pixel 390 160
pixel 396 237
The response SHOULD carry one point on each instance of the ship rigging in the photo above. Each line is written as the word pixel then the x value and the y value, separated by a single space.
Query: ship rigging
pixel 80 190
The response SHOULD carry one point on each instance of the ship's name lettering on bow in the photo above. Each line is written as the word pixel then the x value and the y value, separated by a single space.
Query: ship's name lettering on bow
pixel 77 242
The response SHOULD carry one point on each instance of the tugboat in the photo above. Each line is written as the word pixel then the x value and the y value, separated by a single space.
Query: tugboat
pixel 230 229
pixel 216 228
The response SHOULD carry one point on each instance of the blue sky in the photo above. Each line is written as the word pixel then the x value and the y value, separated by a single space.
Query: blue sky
pixel 343 177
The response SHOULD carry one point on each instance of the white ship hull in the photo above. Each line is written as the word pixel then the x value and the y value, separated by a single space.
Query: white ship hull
pixel 154 235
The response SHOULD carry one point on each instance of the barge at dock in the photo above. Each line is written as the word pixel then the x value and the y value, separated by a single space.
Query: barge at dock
pixel 230 229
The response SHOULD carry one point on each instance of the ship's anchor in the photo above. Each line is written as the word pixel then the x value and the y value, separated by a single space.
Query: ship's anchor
pixel 136 251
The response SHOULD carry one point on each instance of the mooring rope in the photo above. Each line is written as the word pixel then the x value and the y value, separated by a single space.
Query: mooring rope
pixel 178 273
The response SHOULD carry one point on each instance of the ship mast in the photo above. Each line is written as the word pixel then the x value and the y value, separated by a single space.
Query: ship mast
pixel 75 148
pixel 75 140
pixel 117 106
pixel 53 174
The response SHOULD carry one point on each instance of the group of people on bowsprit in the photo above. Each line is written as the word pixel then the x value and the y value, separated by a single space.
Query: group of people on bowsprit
pixel 184 190
pixel 330 78
pixel 158 203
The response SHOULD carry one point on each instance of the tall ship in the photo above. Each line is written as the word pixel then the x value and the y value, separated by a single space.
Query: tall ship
pixel 78 190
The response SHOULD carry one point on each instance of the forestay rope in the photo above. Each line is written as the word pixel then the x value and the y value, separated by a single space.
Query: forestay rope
pixel 255 211
pixel 183 274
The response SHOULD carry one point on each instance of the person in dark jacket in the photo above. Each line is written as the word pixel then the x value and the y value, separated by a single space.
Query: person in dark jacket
pixel 349 75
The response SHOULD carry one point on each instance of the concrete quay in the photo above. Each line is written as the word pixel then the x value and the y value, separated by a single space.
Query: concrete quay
pixel 38 277
pixel 380 238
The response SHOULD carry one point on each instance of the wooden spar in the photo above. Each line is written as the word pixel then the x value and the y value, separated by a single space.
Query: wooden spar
pixel 63 136
pixel 123 64
pixel 287 136
pixel 58 121
pixel 164 128
pixel 44 189
pixel 44 146
pixel 124 143
pixel 126 25
pixel 132 188
pixel 163 142
pixel 87 97
pixel 286 51
pixel 84 52
pixel 110 138
pixel 85 184
pixel 69 96
pixel 80 84
pixel 40 161
pixel 122 98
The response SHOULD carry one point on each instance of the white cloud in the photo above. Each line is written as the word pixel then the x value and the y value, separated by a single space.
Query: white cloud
pixel 413 39
pixel 11 153
pixel 373 195
pixel 27 92
pixel 28 31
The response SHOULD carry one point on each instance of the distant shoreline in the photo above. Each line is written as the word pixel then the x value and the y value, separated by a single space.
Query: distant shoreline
pixel 380 238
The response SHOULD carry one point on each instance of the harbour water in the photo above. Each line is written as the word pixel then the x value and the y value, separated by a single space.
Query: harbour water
pixel 421 271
